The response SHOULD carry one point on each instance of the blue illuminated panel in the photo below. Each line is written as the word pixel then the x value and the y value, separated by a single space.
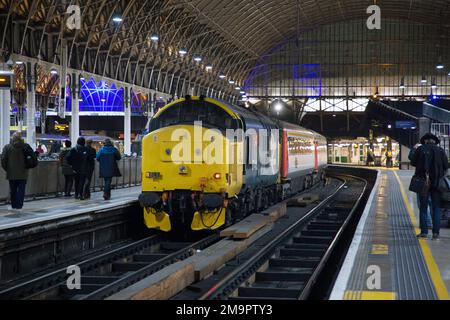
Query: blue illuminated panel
pixel 101 97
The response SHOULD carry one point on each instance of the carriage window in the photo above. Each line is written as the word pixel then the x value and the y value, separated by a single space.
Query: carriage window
pixel 190 111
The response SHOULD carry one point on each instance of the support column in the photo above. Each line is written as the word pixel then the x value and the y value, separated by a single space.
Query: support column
pixel 75 119
pixel 127 124
pixel 31 106
pixel 5 103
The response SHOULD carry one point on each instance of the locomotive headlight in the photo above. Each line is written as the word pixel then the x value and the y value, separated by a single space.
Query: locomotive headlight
pixel 217 176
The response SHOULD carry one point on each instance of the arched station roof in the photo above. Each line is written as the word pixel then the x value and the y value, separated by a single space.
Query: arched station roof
pixel 228 35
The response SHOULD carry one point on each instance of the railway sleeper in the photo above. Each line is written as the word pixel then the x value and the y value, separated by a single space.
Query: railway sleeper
pixel 294 263
pixel 302 252
pixel 319 233
pixel 312 240
pixel 270 275
pixel 268 292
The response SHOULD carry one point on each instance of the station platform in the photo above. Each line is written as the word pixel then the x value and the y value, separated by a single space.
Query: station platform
pixel 385 260
pixel 40 211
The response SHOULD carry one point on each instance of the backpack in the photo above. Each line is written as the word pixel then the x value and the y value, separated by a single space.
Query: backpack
pixel 31 160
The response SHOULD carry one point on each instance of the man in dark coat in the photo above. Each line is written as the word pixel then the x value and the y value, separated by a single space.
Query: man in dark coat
pixel 92 153
pixel 108 157
pixel 78 158
pixel 66 168
pixel 13 162
pixel 430 160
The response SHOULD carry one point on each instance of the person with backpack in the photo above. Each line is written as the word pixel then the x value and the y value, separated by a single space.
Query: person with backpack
pixel 17 158
pixel 431 164
pixel 108 157
pixel 66 168
pixel 78 158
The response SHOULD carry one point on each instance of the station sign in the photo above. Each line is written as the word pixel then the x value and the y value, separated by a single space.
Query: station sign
pixel 405 124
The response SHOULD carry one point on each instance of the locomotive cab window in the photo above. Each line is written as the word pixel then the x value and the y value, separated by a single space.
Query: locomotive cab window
pixel 187 112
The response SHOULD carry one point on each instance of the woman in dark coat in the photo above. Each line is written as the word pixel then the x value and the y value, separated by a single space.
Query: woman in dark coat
pixel 107 158
pixel 66 168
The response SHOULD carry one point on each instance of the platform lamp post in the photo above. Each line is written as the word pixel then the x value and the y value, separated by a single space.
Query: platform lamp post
pixel 127 122
pixel 31 104
pixel 75 118
pixel 6 84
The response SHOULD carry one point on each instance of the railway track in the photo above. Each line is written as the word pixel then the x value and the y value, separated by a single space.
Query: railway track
pixel 108 272
pixel 286 267
pixel 289 266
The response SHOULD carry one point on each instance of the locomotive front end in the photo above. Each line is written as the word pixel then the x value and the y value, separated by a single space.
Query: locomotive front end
pixel 186 171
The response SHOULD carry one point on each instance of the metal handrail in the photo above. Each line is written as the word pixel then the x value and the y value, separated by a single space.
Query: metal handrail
pixel 46 181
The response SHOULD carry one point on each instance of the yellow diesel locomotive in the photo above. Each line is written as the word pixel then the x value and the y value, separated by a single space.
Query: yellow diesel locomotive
pixel 207 163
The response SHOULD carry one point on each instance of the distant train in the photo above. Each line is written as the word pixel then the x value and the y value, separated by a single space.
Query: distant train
pixel 186 183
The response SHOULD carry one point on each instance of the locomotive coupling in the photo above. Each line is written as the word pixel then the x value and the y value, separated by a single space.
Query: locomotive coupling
pixel 213 201
pixel 149 199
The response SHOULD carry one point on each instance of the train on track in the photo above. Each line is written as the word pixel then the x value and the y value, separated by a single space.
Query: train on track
pixel 207 163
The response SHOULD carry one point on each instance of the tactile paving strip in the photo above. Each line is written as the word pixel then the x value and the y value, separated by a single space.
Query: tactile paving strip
pixel 411 278
pixel 357 279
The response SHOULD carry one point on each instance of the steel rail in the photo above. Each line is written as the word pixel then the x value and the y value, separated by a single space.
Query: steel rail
pixel 235 278
pixel 40 283
pixel 138 275
pixel 317 271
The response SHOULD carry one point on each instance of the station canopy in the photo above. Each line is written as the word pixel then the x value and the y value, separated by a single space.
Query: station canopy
pixel 257 48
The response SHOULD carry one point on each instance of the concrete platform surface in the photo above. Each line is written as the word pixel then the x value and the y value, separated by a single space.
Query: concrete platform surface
pixel 386 261
pixel 56 208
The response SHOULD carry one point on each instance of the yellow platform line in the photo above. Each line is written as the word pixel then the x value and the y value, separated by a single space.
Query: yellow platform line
pixel 433 268
pixel 369 295
pixel 380 249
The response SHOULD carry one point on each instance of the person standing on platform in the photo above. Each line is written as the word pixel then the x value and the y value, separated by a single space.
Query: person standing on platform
pixel 431 162
pixel 78 158
pixel 107 158
pixel 15 165
pixel 66 168
pixel 430 204
pixel 92 153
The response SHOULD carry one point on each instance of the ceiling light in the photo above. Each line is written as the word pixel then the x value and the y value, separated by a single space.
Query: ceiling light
pixel 208 67
pixel 19 62
pixel 242 92
pixel 231 82
pixel 238 88
pixel 278 106
pixel 222 76
pixel 182 52
pixel 197 59
pixel 53 72
pixel 154 37
pixel 117 19
pixel 424 80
